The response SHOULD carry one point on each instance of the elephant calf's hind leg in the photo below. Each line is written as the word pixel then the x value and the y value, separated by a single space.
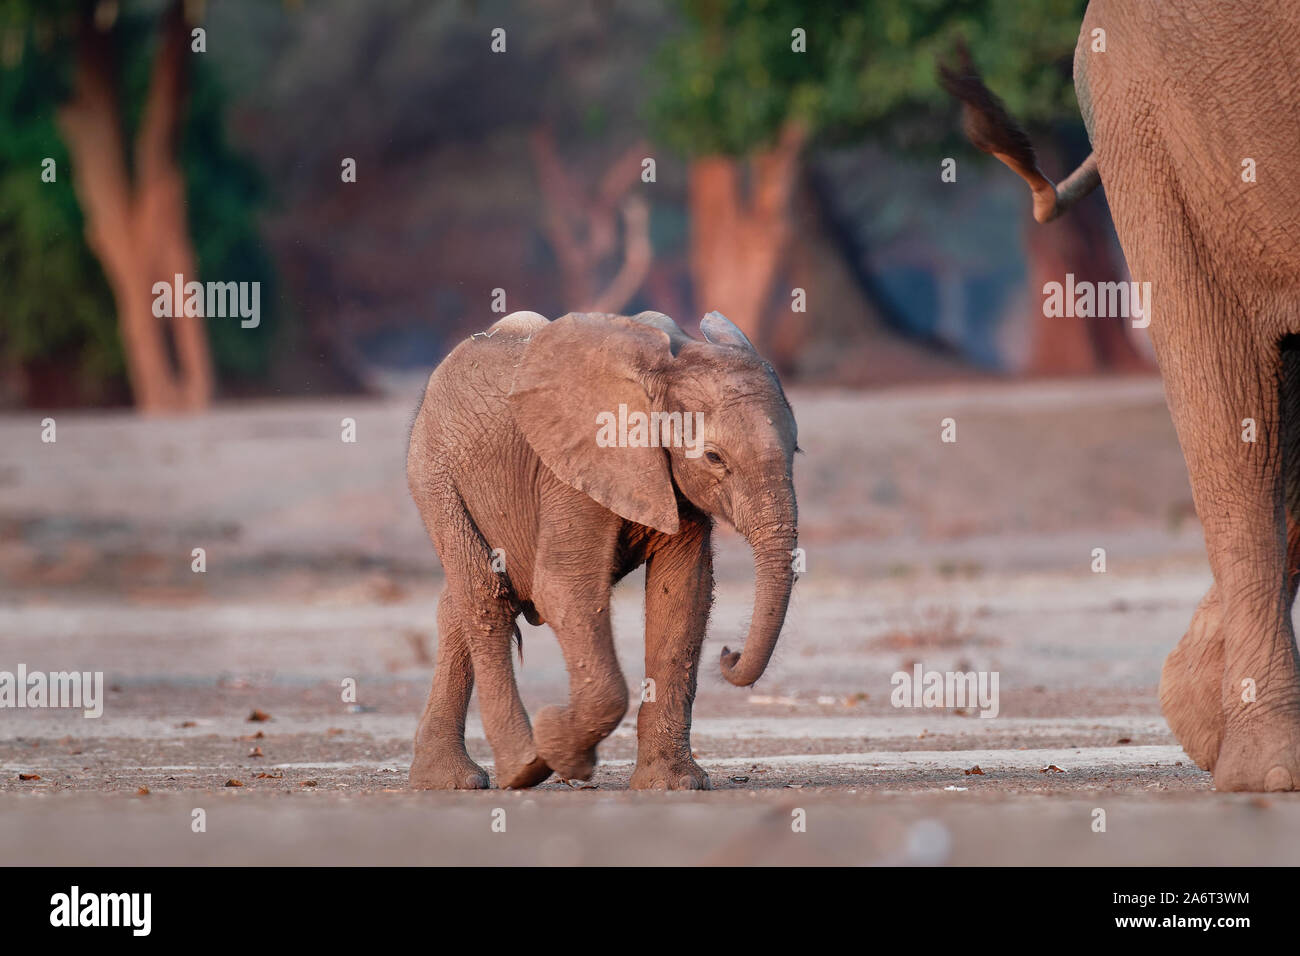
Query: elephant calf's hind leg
pixel 441 761
pixel 491 630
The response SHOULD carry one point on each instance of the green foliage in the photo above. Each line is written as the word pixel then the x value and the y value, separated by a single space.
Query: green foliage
pixel 224 193
pixel 730 79
pixel 55 303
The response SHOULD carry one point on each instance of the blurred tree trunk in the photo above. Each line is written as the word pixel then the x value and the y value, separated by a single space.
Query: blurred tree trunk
pixel 738 236
pixel 847 336
pixel 135 219
pixel 1078 243
pixel 582 226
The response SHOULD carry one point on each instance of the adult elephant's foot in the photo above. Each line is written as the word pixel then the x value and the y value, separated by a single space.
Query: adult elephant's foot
pixel 1260 755
pixel 447 771
pixel 563 746
pixel 1191 685
pixel 669 773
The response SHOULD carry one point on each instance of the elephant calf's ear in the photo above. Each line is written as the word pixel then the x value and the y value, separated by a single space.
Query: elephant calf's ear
pixel 720 330
pixel 580 377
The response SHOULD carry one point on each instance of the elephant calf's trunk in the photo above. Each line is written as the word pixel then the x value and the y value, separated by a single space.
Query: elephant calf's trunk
pixel 773 579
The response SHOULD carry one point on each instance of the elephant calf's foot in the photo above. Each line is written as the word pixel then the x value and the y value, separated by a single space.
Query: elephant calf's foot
pixel 447 771
pixel 520 771
pixel 562 747
pixel 1190 686
pixel 669 773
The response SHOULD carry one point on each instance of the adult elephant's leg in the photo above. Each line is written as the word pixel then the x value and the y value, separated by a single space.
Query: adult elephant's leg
pixel 678 593
pixel 1193 673
pixel 441 761
pixel 1190 684
pixel 1213 382
pixel 575 559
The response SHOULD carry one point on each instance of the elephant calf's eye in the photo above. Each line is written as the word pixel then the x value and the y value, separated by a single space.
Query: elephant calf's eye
pixel 713 458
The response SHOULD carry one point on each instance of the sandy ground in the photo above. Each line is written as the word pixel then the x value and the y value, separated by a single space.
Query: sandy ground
pixel 968 556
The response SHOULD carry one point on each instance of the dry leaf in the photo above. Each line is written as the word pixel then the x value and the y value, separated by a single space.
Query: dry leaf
pixel 257 716
pixel 974 771
pixel 1051 768
pixel 29 776
pixel 143 792
pixel 232 782
pixel 256 752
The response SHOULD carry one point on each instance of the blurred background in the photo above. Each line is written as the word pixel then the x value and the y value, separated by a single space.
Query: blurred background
pixel 391 171
pixel 617 156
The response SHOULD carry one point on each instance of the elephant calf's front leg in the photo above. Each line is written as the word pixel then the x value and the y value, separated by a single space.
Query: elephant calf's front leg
pixel 679 590
pixel 566 737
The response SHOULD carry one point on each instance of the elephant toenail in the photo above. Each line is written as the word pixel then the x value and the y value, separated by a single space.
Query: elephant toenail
pixel 1279 778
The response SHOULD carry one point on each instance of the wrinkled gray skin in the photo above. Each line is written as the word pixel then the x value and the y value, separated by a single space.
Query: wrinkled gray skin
pixel 504 455
pixel 1184 93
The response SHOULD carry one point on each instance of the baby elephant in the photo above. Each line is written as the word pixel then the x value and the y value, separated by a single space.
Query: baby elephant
pixel 548 460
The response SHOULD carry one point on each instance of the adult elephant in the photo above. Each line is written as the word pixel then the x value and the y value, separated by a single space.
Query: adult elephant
pixel 1194 114
pixel 550 459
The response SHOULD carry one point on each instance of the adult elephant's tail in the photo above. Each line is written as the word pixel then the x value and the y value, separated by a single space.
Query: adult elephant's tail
pixel 992 129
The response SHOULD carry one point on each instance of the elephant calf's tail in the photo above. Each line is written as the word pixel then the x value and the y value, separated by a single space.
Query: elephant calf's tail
pixel 991 129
